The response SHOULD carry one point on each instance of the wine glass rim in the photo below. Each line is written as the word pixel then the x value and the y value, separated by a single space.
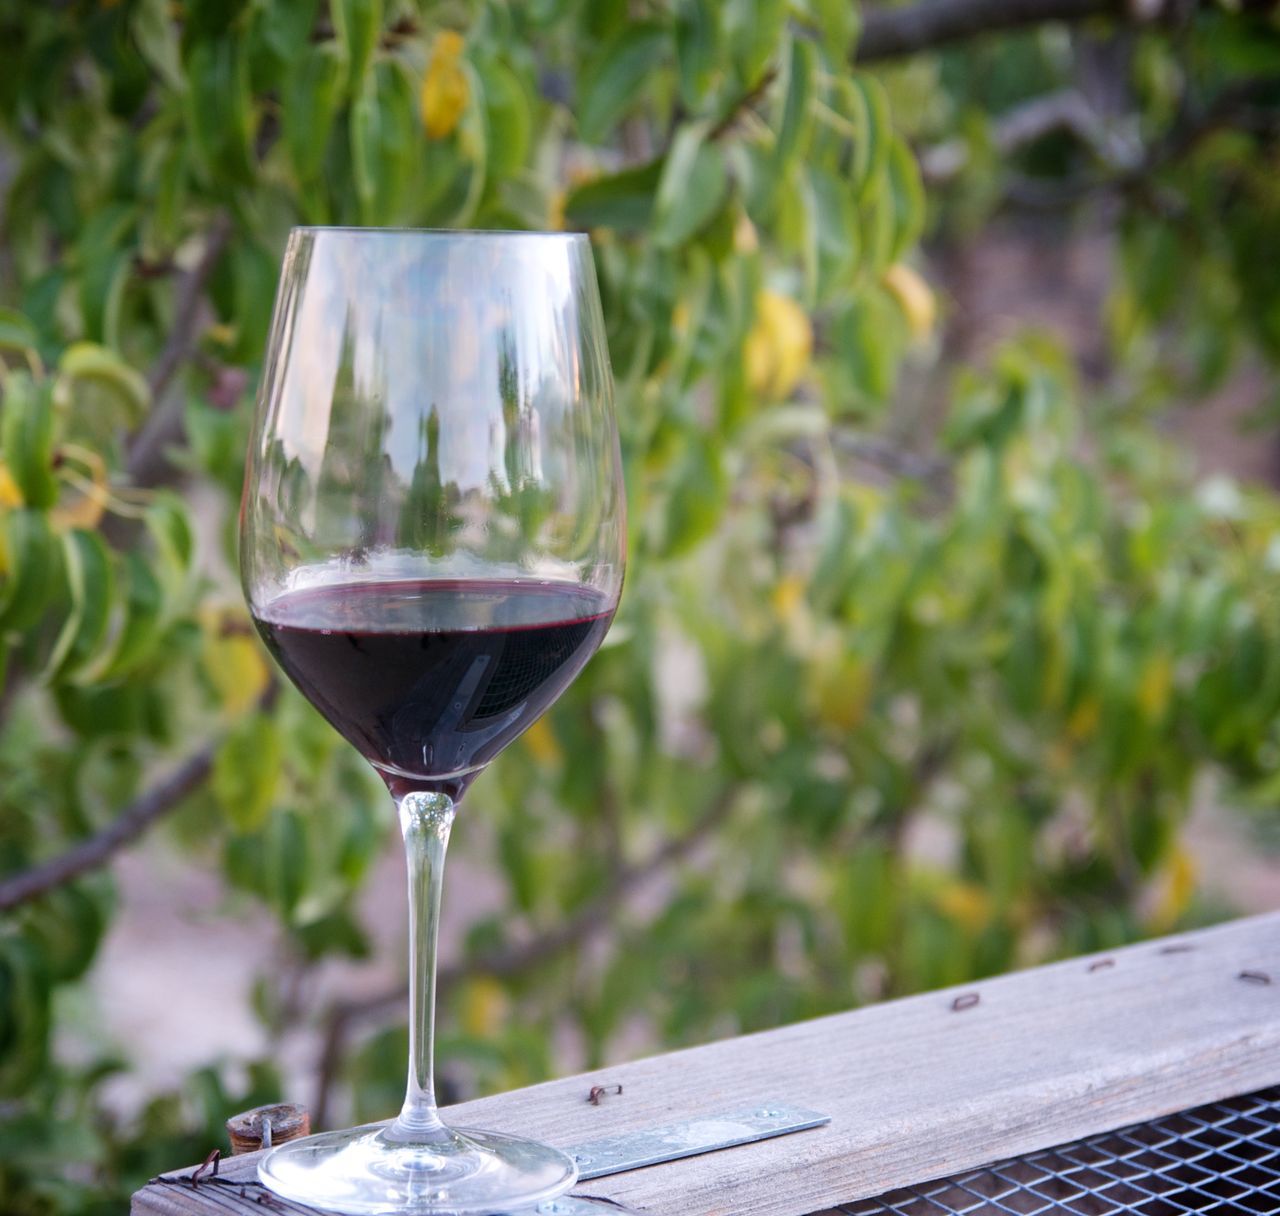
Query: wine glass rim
pixel 360 230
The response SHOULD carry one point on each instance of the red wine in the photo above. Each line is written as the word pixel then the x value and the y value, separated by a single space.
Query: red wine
pixel 430 680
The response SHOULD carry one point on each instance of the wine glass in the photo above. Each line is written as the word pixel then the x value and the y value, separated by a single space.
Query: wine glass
pixel 432 545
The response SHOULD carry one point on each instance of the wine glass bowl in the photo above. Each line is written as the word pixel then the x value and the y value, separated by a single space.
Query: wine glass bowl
pixel 432 546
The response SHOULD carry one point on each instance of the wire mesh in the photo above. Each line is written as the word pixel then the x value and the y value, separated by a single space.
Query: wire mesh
pixel 1220 1158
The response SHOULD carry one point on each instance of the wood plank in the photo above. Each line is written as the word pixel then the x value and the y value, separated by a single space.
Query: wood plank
pixel 917 1089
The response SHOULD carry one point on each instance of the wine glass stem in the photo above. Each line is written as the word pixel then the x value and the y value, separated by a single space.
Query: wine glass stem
pixel 425 820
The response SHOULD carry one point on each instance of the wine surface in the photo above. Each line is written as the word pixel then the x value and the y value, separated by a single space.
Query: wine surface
pixel 430 680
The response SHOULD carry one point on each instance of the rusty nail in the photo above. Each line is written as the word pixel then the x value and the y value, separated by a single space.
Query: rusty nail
pixel 966 1000
pixel 208 1166
pixel 1254 977
pixel 1102 964
pixel 599 1091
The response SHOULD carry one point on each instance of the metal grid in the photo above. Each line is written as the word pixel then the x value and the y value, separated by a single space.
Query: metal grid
pixel 1221 1158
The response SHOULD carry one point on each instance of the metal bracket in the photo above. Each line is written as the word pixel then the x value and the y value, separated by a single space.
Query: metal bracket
pixel 690 1137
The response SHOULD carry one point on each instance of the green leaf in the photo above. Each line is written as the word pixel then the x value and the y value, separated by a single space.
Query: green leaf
pixel 102 282
pixel 166 183
pixel 286 860
pixel 17 333
pixel 623 201
pixel 871 338
pixel 142 628
pixel 834 223
pixel 309 101
pixel 697 498
pixel 797 95
pixel 246 772
pixel 87 363
pixel 204 19
pixel 508 113
pixel 67 924
pixel 284 29
pixel 113 710
pixel 907 194
pixel 520 866
pixel 366 127
pixel 614 80
pixel 157 37
pixel 839 23
pixel 382 126
pixel 219 107
pixel 106 775
pixel 865 105
pixel 336 933
pixel 24 1014
pixel 91 582
pixel 691 189
pixel 877 229
pixel 697 38
pixel 753 30
pixel 30 568
pixel 27 430
pixel 358 24
pixel 170 527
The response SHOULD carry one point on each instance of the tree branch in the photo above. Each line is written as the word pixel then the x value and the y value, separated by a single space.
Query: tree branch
pixel 743 103
pixel 1066 110
pixel 128 826
pixel 888 33
pixel 157 802
pixel 1236 106
pixel 932 471
pixel 517 958
pixel 145 460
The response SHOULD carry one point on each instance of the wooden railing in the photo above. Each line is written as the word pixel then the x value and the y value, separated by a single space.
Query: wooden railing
pixel 916 1088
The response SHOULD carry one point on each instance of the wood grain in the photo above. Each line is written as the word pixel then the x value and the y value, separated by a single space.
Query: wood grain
pixel 917 1088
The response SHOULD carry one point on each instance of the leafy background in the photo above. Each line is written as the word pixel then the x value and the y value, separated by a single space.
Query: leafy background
pixel 931 644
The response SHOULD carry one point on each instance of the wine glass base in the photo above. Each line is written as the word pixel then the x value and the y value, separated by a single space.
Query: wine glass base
pixel 367 1171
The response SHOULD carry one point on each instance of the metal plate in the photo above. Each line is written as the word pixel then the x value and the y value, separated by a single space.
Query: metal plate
pixel 690 1137
pixel 1221 1159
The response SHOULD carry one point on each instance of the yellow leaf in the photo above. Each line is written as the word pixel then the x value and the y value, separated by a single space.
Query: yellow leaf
pixel 223 333
pixel 745 237
pixel 840 691
pixel 966 903
pixel 541 742
pixel 484 1007
pixel 1155 686
pixel 555 211
pixel 444 88
pixel 777 348
pixel 1176 889
pixel 1084 719
pixel 914 296
pixel 787 596
pixel 10 495
pixel 233 663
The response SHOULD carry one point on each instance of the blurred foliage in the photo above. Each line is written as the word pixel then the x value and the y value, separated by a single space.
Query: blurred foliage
pixel 1021 631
